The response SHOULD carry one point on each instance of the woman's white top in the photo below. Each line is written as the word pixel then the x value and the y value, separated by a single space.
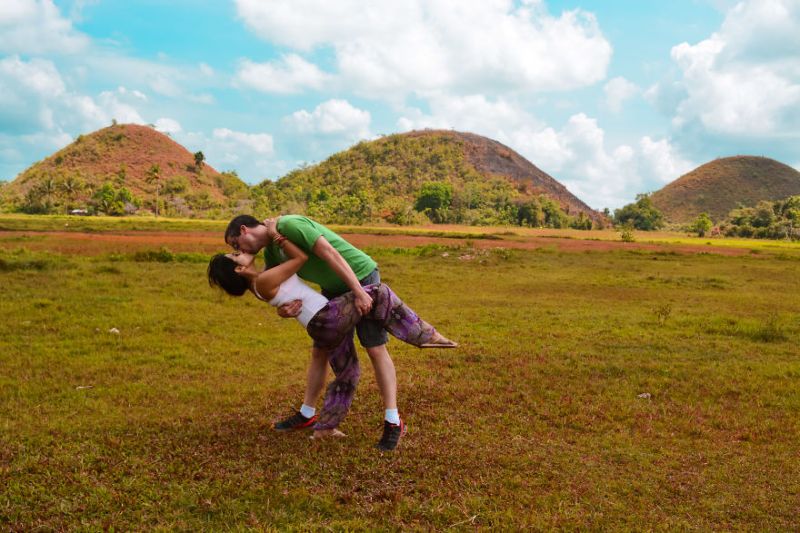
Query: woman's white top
pixel 294 289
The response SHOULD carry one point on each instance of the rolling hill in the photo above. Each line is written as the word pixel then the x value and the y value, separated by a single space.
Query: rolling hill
pixel 470 180
pixel 721 185
pixel 382 179
pixel 123 155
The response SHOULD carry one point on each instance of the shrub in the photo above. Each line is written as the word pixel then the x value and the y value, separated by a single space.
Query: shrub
pixel 626 234
pixel 701 225
pixel 641 214
pixel 434 200
pixel 768 220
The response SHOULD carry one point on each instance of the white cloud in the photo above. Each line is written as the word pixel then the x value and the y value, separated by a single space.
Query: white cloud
pixel 38 76
pixel 474 113
pixel 168 125
pixel 37 101
pixel 37 27
pixel 54 140
pixel 600 175
pixel 389 49
pixel 617 90
pixel 177 83
pixel 662 160
pixel 251 155
pixel 259 143
pixel 206 70
pixel 292 74
pixel 744 80
pixel 29 91
pixel 112 105
pixel 136 94
pixel 334 117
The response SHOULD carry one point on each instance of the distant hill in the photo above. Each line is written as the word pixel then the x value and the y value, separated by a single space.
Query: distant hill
pixel 382 179
pixel 721 185
pixel 443 176
pixel 492 158
pixel 124 155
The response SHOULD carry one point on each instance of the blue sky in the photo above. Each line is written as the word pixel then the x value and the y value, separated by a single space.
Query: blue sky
pixel 612 98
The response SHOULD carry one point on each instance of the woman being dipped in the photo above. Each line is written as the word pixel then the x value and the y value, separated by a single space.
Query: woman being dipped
pixel 328 322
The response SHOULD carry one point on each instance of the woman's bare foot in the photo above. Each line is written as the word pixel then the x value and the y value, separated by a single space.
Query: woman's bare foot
pixel 440 341
pixel 326 434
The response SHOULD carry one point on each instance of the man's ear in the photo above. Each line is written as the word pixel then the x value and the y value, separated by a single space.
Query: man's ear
pixel 243 230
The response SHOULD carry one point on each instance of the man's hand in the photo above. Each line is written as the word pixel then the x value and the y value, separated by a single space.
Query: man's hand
pixel 327 433
pixel 363 302
pixel 290 309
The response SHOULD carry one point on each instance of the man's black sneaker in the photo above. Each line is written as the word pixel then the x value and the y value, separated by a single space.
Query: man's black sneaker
pixel 392 433
pixel 296 421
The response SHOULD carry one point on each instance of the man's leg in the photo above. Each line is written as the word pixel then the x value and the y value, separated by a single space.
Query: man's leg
pixel 385 375
pixel 315 378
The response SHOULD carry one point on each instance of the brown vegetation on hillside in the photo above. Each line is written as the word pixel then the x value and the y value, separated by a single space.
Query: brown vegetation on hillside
pixel 493 158
pixel 721 185
pixel 135 157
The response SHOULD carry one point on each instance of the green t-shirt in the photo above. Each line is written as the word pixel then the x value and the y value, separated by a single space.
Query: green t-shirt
pixel 304 232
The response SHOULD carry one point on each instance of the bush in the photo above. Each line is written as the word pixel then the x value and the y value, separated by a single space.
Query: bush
pixel 768 220
pixel 114 202
pixel 641 214
pixel 434 200
pixel 701 225
pixel 626 234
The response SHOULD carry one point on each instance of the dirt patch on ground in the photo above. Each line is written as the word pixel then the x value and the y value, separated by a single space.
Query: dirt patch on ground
pixel 533 243
pixel 210 242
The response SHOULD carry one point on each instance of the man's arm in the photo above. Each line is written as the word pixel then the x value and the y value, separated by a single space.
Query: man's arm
pixel 323 249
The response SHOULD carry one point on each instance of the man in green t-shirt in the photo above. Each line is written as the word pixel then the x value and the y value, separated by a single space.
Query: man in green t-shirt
pixel 337 267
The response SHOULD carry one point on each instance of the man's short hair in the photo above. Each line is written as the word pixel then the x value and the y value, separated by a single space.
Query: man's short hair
pixel 234 226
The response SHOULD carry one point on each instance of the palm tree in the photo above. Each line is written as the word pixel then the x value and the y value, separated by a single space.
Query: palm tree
pixel 48 188
pixel 154 176
pixel 71 185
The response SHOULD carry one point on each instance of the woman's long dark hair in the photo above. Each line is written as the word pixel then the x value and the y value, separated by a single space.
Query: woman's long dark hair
pixel 222 273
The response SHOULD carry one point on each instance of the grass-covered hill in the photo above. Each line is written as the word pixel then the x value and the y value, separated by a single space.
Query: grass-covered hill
pixel 450 176
pixel 439 176
pixel 721 185
pixel 135 164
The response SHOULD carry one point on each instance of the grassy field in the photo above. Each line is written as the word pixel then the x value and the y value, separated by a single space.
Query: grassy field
pixel 595 389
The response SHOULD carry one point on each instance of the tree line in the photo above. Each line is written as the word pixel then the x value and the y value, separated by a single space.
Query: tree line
pixel 778 219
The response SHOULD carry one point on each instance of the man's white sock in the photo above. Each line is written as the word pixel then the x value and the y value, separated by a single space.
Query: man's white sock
pixel 392 416
pixel 307 411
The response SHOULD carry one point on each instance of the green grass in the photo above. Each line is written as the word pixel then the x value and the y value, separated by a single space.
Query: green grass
pixel 534 422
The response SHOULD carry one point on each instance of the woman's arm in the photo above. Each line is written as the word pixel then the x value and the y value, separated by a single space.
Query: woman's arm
pixel 268 281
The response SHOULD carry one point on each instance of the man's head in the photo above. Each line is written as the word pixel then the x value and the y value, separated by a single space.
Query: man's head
pixel 245 233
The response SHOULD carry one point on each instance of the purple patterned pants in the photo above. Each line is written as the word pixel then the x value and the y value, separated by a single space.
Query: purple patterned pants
pixel 331 328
